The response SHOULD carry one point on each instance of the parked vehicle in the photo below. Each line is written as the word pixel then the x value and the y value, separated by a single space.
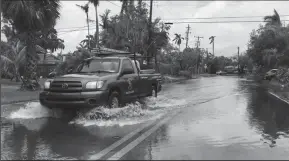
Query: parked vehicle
pixel 270 74
pixel 221 73
pixel 110 81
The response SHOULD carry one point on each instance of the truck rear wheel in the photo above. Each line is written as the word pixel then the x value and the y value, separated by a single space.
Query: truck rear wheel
pixel 113 100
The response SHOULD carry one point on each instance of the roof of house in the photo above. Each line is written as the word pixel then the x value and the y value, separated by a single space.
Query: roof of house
pixel 50 59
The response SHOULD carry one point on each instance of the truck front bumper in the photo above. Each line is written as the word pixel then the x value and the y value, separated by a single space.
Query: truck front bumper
pixel 72 100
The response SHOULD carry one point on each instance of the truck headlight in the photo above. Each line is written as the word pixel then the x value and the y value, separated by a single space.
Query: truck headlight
pixel 94 85
pixel 47 85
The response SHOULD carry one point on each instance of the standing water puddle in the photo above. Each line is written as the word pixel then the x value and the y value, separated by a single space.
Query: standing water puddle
pixel 133 113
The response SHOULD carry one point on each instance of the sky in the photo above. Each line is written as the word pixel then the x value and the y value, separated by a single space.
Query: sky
pixel 228 35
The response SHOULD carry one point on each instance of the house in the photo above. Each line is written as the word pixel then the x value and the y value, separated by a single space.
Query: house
pixel 47 65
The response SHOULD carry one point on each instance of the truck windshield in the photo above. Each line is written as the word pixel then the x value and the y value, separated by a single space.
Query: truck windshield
pixel 99 65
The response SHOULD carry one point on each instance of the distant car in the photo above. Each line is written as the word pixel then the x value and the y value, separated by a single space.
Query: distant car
pixel 270 74
pixel 220 73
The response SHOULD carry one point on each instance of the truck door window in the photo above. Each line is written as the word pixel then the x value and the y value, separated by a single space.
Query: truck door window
pixel 127 65
pixel 100 65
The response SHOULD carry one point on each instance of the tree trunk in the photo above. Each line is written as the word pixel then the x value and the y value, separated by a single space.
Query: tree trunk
pixel 87 21
pixel 97 29
pixel 31 64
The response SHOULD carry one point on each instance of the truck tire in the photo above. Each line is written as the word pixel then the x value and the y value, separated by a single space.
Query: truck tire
pixel 154 91
pixel 114 100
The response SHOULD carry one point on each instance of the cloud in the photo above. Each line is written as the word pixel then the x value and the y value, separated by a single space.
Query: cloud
pixel 228 35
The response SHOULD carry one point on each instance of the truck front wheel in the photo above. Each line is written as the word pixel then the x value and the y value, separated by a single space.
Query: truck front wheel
pixel 154 91
pixel 113 100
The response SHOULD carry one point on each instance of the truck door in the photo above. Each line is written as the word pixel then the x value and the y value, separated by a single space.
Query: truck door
pixel 130 81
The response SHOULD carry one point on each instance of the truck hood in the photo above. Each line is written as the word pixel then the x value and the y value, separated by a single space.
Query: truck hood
pixel 85 77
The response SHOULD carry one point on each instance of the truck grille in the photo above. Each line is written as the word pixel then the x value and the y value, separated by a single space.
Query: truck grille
pixel 66 86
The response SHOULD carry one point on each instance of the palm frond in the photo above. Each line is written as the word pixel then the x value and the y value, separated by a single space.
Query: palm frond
pixel 6 60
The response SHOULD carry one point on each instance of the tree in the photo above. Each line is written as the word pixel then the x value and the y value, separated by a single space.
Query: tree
pixel 273 20
pixel 29 18
pixel 178 40
pixel 132 36
pixel 126 6
pixel 85 9
pixel 49 41
pixel 13 59
pixel 96 3
pixel 269 44
pixel 72 61
pixel 89 41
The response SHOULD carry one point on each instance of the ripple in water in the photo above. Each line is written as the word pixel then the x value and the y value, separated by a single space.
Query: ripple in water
pixel 133 113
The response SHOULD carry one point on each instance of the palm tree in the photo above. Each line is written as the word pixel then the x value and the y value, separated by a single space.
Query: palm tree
pixel 273 20
pixel 29 18
pixel 96 3
pixel 89 39
pixel 126 6
pixel 85 8
pixel 178 40
pixel 50 41
pixel 13 58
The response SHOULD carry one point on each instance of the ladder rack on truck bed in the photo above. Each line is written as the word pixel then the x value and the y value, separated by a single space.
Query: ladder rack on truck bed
pixel 106 52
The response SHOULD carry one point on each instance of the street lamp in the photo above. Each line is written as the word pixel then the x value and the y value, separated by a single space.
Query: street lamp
pixel 169 23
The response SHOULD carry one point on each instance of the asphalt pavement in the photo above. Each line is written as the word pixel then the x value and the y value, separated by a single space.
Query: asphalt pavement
pixel 206 118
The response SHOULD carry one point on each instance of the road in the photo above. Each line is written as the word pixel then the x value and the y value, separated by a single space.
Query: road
pixel 207 118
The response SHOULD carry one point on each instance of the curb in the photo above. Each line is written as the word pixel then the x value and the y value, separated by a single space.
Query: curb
pixel 18 102
pixel 280 98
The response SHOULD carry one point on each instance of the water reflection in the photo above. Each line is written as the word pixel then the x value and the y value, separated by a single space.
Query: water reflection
pixel 247 124
pixel 56 139
pixel 20 143
pixel 269 116
pixel 146 150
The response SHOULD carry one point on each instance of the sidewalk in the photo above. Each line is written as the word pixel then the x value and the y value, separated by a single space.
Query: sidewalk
pixel 11 94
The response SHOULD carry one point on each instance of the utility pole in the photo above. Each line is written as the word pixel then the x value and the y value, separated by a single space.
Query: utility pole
pixel 0 47
pixel 198 58
pixel 187 35
pixel 238 60
pixel 207 60
pixel 150 32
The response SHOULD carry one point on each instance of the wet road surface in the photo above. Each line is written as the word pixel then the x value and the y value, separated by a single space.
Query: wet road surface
pixel 207 118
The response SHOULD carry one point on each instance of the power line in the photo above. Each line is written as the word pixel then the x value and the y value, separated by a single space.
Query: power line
pixel 217 21
pixel 84 27
pixel 190 22
pixel 113 3
pixel 222 17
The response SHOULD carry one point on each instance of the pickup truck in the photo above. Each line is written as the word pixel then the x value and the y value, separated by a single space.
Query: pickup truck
pixel 108 81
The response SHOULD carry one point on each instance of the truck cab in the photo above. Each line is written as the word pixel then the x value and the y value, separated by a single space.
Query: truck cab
pixel 109 81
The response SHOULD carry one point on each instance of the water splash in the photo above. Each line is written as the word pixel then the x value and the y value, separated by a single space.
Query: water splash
pixel 134 113
pixel 34 110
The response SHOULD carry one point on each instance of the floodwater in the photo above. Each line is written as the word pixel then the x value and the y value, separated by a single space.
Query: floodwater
pixel 220 118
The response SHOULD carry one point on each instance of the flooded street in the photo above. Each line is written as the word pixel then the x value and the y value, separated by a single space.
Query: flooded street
pixel 206 118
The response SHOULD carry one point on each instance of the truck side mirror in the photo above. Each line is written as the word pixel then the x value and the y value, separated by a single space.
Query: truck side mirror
pixel 51 75
pixel 69 71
